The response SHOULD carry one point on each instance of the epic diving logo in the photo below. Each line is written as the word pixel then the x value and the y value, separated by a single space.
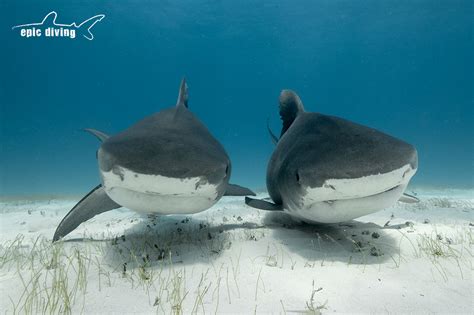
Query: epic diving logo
pixel 49 28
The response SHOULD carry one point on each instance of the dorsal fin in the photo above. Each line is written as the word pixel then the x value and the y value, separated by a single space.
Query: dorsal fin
pixel 50 18
pixel 102 136
pixel 183 94
pixel 290 107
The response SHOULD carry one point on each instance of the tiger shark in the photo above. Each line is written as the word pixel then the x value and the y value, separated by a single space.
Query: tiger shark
pixel 326 169
pixel 168 163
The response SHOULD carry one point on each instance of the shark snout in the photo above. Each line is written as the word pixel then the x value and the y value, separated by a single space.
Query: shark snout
pixel 207 169
pixel 342 179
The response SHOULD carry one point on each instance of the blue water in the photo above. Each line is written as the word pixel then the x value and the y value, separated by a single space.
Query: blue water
pixel 404 67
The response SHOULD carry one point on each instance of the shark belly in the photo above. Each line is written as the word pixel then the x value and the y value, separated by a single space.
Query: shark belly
pixel 158 194
pixel 339 200
pixel 335 211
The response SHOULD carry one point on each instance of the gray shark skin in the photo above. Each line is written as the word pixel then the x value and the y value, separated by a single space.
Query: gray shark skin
pixel 167 163
pixel 323 166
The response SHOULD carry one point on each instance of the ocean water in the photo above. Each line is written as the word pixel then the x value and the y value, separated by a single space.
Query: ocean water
pixel 403 67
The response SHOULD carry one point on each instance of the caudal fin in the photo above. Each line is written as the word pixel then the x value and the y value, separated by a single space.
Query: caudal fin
pixel 85 27
pixel 94 203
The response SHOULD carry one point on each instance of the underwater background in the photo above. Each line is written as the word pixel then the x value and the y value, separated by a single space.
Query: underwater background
pixel 403 67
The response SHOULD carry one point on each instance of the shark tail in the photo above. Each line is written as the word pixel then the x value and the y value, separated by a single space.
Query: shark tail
pixel 85 27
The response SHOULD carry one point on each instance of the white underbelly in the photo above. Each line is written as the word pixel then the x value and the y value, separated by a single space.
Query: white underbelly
pixel 160 203
pixel 351 188
pixel 340 200
pixel 159 194
pixel 345 209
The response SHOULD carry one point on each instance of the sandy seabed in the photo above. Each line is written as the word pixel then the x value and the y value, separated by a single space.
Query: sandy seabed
pixel 411 258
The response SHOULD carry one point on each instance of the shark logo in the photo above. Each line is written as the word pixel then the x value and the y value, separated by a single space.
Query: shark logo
pixel 49 28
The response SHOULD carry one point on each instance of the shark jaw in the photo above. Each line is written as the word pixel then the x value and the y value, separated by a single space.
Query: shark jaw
pixel 158 194
pixel 340 200
pixel 335 211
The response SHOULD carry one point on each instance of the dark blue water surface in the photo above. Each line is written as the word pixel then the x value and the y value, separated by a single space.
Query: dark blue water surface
pixel 404 67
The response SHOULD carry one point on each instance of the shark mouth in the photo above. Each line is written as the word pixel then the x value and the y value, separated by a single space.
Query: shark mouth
pixel 339 200
pixel 353 188
pixel 335 211
pixel 159 194
pixel 388 190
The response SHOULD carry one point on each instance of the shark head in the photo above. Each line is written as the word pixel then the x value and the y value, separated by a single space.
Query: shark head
pixel 328 169
pixel 167 163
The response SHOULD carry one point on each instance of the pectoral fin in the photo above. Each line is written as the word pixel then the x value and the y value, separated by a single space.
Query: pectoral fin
pixel 102 136
pixel 262 204
pixel 94 203
pixel 236 190
pixel 406 198
pixel 272 135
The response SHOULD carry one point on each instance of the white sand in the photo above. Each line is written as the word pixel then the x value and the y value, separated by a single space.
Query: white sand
pixel 235 259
